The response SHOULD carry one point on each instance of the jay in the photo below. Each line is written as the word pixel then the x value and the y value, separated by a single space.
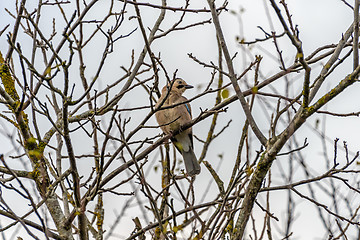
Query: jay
pixel 173 118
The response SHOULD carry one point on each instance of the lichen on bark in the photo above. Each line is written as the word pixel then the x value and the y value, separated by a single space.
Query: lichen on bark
pixel 7 80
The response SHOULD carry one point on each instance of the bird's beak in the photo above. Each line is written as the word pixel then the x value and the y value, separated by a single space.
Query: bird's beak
pixel 188 86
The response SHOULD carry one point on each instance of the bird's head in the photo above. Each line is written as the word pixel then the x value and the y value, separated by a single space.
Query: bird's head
pixel 178 85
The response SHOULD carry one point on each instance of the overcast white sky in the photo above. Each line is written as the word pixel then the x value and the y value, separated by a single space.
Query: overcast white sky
pixel 320 22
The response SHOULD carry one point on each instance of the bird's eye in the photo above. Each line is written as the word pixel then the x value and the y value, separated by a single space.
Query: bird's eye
pixel 179 82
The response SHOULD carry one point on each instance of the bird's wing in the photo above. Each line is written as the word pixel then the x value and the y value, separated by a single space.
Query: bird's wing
pixel 188 108
pixel 187 118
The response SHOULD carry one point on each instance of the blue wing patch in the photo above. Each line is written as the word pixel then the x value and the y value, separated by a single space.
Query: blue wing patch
pixel 188 108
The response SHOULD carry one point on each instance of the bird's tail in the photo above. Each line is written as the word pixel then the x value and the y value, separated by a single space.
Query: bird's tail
pixel 191 164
